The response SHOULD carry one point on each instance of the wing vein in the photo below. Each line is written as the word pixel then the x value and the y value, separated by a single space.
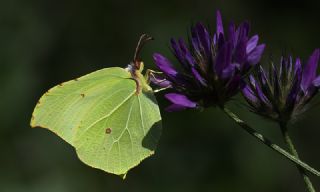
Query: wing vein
pixel 110 113
pixel 129 116
pixel 142 123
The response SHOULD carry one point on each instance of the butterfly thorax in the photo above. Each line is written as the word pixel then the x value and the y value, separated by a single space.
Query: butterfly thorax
pixel 136 72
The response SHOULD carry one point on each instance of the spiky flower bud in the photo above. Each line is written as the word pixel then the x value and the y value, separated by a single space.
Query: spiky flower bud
pixel 284 92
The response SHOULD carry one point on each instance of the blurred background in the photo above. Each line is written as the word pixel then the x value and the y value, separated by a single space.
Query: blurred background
pixel 43 43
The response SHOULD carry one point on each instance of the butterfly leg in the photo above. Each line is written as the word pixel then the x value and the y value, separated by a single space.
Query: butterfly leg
pixel 151 74
pixel 161 89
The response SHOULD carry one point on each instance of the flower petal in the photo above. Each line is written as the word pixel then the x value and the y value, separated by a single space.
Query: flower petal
pixel 262 76
pixel 232 33
pixel 255 55
pixel 240 54
pixel 276 84
pixel 289 67
pixel 195 40
pixel 228 71
pixel 186 53
pixel 295 89
pixel 223 59
pixel 182 53
pixel 160 81
pixel 204 38
pixel 164 65
pixel 219 24
pixel 252 81
pixel 177 51
pixel 242 32
pixel 261 95
pixel 197 75
pixel 181 100
pixel 252 43
pixel 248 93
pixel 264 82
pixel 297 66
pixel 316 82
pixel 310 70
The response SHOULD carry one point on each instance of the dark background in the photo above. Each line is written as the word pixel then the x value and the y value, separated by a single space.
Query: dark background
pixel 43 43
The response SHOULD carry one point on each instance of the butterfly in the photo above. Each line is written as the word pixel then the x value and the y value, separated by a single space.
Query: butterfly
pixel 110 116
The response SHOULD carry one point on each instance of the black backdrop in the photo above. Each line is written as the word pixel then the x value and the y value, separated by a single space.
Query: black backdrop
pixel 43 43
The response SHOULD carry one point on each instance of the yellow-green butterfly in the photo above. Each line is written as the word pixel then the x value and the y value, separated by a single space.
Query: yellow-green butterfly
pixel 110 116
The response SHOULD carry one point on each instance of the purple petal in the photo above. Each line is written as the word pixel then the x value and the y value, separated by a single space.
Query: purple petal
pixel 282 66
pixel 240 53
pixel 276 83
pixel 198 77
pixel 160 81
pixel 310 70
pixel 242 32
pixel 182 53
pixel 186 53
pixel 221 41
pixel 223 59
pixel 219 24
pixel 262 76
pixel 214 39
pixel 181 100
pixel 252 81
pixel 252 43
pixel 228 71
pixel 195 40
pixel 289 67
pixel 255 55
pixel 177 51
pixel 316 82
pixel 261 95
pixel 292 96
pixel 231 34
pixel 297 66
pixel 164 65
pixel 204 38
pixel 248 93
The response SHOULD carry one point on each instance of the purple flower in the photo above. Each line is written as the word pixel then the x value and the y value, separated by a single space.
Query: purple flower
pixel 213 65
pixel 283 93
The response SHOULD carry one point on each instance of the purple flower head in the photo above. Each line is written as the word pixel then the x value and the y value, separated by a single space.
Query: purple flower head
pixel 283 92
pixel 213 65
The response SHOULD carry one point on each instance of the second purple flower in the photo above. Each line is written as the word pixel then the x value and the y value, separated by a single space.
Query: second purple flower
pixel 213 65
pixel 286 91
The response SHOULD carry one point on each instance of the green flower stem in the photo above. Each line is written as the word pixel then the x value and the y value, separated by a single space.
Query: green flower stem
pixel 267 142
pixel 294 152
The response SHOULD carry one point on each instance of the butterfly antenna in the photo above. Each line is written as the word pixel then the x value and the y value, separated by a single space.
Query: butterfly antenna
pixel 144 38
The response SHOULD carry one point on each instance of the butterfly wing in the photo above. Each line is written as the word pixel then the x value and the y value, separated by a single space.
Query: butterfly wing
pixel 111 127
